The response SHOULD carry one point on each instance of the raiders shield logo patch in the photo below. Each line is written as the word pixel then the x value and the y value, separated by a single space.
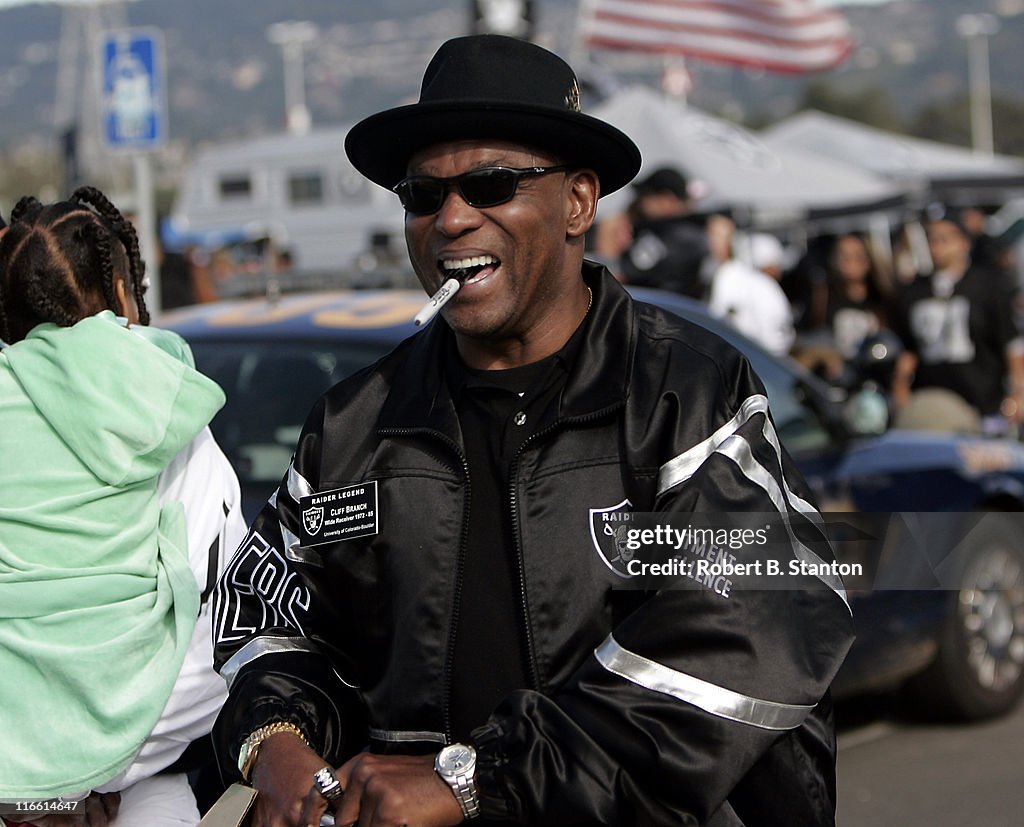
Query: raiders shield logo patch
pixel 608 531
pixel 312 519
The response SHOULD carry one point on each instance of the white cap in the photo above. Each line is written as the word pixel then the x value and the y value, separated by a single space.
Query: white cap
pixel 766 251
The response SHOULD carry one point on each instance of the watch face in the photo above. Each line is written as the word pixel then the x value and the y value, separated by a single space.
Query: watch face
pixel 456 758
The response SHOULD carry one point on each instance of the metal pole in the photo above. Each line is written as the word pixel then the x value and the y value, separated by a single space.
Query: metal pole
pixel 981 95
pixel 291 35
pixel 295 87
pixel 976 29
pixel 578 50
pixel 146 228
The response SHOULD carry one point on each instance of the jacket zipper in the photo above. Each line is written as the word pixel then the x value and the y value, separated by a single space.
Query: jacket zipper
pixel 460 563
pixel 531 656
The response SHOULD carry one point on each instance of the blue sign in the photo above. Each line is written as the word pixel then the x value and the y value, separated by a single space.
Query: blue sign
pixel 134 108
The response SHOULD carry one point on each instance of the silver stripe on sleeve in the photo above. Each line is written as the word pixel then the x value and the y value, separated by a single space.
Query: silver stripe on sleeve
pixel 738 450
pixel 797 502
pixel 398 736
pixel 257 648
pixel 725 441
pixel 680 469
pixel 716 700
pixel 296 552
pixel 298 487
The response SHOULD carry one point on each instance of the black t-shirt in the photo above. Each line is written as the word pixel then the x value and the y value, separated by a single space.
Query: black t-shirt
pixel 498 411
pixel 959 335
pixel 850 321
pixel 668 254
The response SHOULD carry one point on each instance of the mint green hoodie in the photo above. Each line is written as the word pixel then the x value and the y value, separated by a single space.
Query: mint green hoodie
pixel 97 600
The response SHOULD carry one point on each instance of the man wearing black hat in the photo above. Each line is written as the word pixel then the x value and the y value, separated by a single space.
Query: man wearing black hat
pixel 446 573
pixel 669 245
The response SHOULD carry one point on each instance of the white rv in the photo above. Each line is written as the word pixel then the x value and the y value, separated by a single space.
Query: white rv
pixel 300 192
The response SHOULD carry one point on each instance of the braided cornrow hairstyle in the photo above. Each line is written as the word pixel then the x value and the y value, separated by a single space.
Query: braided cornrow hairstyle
pixel 25 204
pixel 126 234
pixel 58 262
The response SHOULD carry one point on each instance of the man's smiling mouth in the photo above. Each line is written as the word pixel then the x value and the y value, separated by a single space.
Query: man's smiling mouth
pixel 471 269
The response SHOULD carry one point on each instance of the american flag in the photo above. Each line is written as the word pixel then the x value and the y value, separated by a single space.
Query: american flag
pixel 787 36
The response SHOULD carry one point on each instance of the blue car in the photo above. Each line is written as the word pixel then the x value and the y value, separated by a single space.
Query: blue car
pixel 932 520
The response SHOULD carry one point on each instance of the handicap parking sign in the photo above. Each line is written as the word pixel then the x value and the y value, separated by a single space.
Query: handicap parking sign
pixel 134 111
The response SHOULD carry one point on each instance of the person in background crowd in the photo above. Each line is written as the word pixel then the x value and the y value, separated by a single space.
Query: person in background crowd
pixel 668 243
pixel 957 326
pixel 177 284
pixel 859 295
pixel 750 300
pixel 117 512
pixel 608 240
pixel 909 254
pixel 806 284
pixel 985 250
pixel 767 255
pixel 478 611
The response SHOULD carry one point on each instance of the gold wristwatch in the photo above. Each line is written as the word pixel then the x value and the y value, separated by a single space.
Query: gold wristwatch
pixel 251 745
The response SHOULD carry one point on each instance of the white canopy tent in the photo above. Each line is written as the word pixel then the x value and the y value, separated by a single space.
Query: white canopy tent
pixel 761 185
pixel 946 172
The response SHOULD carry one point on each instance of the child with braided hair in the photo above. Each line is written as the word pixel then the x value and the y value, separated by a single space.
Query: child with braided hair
pixel 117 510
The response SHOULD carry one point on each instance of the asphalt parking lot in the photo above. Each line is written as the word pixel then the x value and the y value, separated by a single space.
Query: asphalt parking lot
pixel 896 772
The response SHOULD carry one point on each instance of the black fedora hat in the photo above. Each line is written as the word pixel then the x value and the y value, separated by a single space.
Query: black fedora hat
pixel 493 87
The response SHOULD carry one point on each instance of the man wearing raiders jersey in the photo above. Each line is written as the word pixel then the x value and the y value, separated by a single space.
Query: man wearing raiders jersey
pixel 957 325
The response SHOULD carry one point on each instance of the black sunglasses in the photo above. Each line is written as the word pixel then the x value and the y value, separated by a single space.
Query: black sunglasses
pixel 484 187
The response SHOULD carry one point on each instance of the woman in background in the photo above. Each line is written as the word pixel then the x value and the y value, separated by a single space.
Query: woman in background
pixel 859 295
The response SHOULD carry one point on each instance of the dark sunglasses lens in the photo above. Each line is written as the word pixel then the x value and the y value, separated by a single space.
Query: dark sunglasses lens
pixel 488 187
pixel 421 196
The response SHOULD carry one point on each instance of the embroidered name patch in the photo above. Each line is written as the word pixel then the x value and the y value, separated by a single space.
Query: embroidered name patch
pixel 342 514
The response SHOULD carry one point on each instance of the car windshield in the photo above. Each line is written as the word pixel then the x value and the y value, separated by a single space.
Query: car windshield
pixel 270 388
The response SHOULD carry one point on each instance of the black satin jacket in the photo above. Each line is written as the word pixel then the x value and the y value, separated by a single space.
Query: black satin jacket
pixel 650 706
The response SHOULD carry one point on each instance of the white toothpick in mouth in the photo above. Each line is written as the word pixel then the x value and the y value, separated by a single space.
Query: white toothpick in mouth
pixel 437 301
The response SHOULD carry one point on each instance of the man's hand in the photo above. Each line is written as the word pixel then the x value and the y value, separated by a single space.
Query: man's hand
pixel 395 791
pixel 98 810
pixel 283 775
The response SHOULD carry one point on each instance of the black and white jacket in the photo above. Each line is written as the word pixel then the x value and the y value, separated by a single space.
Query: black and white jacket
pixel 650 706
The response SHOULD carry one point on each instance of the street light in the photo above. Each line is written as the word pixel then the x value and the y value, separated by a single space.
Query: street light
pixel 976 29
pixel 291 36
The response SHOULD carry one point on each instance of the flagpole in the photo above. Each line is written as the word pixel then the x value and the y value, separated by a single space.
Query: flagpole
pixel 578 49
pixel 977 28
